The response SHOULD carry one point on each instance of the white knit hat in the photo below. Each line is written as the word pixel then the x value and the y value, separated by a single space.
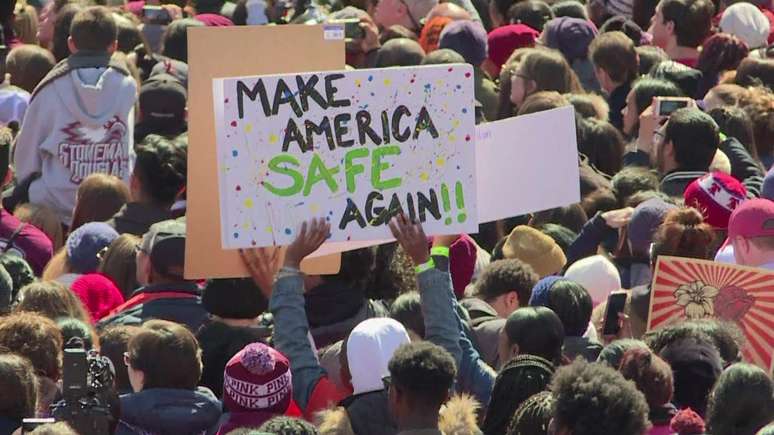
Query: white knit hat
pixel 597 275
pixel 747 22
pixel 369 348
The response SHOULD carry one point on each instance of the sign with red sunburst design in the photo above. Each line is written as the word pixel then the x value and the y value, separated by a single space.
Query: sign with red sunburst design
pixel 686 289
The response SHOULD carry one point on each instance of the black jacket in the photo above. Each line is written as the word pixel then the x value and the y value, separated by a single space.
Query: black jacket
pixel 369 414
pixel 136 218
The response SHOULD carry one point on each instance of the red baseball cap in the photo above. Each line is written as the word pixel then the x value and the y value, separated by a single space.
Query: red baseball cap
pixel 753 218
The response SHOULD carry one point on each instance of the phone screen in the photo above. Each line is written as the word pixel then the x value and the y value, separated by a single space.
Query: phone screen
pixel 666 107
pixel 352 30
pixel 615 305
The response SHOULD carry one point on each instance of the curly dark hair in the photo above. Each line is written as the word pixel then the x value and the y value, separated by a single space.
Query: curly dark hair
pixel 425 369
pixel 595 399
pixel 533 416
pixel 161 167
pixel 282 425
pixel 726 336
pixel 36 338
pixel 504 276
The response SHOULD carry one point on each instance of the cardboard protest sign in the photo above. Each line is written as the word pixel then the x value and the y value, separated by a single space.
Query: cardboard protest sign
pixel 227 52
pixel 526 164
pixel 356 147
pixel 685 288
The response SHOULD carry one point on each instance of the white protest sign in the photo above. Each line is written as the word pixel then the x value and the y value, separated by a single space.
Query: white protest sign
pixel 527 164
pixel 355 147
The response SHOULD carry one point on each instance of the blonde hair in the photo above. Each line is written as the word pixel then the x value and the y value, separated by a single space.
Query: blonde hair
pixel 43 218
pixel 25 23
pixel 51 299
pixel 57 266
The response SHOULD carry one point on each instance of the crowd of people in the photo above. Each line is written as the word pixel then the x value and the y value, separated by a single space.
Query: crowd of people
pixel 506 331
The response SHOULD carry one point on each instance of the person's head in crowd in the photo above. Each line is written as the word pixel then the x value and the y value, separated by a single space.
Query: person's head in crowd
pixel 747 22
pixel 36 338
pixel 535 249
pixel 98 294
pixel 354 48
pixel 420 378
pixel 161 254
pixel 613 353
pixel 99 197
pixel 159 171
pixel 84 245
pixel 597 275
pixel 540 101
pixel 650 56
pixel 163 354
pixel 751 231
pixel 230 299
pixel 631 180
pixel 603 144
pixel 571 216
pixel 680 26
pixel 742 401
pixel 119 263
pixel 542 70
pixel 93 29
pixel 725 336
pixel 128 36
pixel 641 97
pixel 76 331
pixel 405 13
pixel 646 219
pixel 498 12
pixel 113 343
pixel 175 41
pixel 46 22
pixel 570 9
pixel 735 122
pixel 518 379
pixel 758 102
pixel 58 428
pixel 687 142
pixel 407 309
pixel 62 22
pixel 599 201
pixel 572 304
pixel 431 33
pixel 755 72
pixel 505 107
pixel 283 425
pixel 397 32
pixel 25 22
pixel 44 218
pixel 715 195
pixel 265 369
pixel 720 53
pixel 534 331
pixel 615 60
pixel 162 107
pixel 198 7
pixel 594 399
pixel 562 235
pixel 27 65
pixel 17 382
pixel 686 78
pixel 723 95
pixel 443 56
pixel 651 374
pixel 399 52
pixel 506 285
pixel 50 299
pixel 570 35
pixel 532 13
pixel 466 37
pixel 628 27
pixel 533 416
pixel 696 366
pixel 589 106
pixel 448 10
pixel 683 234
pixel 369 348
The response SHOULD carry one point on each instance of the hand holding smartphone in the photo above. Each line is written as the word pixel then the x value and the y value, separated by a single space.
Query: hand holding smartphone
pixel 616 302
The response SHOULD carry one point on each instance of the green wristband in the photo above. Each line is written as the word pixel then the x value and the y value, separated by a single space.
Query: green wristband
pixel 440 251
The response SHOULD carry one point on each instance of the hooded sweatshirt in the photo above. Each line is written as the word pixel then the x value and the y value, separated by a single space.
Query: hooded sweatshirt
pixel 78 123
pixel 369 349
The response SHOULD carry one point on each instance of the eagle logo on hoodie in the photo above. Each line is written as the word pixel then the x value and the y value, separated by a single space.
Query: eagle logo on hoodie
pixel 89 149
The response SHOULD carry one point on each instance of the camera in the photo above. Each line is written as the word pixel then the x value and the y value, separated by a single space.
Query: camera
pixel 88 400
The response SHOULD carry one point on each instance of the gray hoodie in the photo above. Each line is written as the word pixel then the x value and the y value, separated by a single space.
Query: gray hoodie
pixel 80 123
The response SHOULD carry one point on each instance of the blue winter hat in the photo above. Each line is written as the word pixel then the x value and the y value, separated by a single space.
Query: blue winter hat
pixel 85 243
pixel 466 37
pixel 539 296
